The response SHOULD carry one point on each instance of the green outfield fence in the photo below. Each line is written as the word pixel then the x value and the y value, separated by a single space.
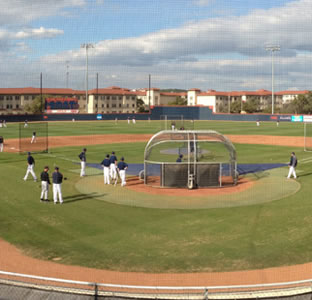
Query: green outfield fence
pixel 22 286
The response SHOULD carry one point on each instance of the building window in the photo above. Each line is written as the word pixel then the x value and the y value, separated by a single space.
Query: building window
pixel 127 97
pixel 113 105
pixel 102 105
pixel 120 97
pixel 107 105
pixel 114 98
pixel 128 105
pixel 107 97
pixel 26 97
pixel 133 105
pixel 1 97
pixel 119 104
pixel 133 98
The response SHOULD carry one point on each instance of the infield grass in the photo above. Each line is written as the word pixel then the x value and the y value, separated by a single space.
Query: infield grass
pixel 91 232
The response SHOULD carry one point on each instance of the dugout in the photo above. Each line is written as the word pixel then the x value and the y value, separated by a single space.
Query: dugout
pixel 208 159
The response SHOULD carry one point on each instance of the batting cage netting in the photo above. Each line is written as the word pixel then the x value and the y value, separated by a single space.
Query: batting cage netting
pixel 176 122
pixel 33 137
pixel 307 136
pixel 189 159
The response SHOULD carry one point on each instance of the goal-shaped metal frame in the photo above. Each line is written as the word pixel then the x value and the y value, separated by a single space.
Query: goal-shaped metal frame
pixel 200 167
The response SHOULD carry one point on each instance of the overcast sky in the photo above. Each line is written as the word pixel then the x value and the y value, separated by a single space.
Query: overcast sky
pixel 206 44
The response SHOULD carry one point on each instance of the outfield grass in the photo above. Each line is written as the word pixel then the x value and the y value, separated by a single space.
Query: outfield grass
pixel 91 232
pixel 145 127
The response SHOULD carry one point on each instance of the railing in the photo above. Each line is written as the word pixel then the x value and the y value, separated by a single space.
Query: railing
pixel 20 282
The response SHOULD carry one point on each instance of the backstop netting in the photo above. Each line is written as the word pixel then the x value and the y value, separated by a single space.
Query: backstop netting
pixel 176 122
pixel 208 159
pixel 40 144
pixel 307 136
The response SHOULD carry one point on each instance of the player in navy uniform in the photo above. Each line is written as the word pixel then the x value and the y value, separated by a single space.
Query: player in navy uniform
pixel 179 159
pixel 113 164
pixel 57 179
pixel 30 167
pixel 45 181
pixel 106 165
pixel 83 160
pixel 25 124
pixel 122 167
pixel 1 143
pixel 292 165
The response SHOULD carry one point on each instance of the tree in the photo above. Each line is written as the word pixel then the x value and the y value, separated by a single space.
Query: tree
pixel 36 107
pixel 252 105
pixel 302 104
pixel 179 101
pixel 140 105
pixel 236 106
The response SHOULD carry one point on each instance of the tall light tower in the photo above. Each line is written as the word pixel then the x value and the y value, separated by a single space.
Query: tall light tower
pixel 67 72
pixel 273 48
pixel 87 46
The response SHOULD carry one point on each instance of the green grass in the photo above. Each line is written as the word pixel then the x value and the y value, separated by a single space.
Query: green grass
pixel 91 232
pixel 144 127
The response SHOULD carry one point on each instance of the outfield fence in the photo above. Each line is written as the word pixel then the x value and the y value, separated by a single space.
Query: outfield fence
pixel 22 286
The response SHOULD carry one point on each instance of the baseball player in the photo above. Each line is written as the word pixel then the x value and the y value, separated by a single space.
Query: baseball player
pixel 133 120
pixel 45 181
pixel 83 160
pixel 33 138
pixel 57 179
pixel 258 122
pixel 26 123
pixel 1 123
pixel 30 167
pixel 179 159
pixel 122 167
pixel 173 125
pixel 106 166
pixel 4 123
pixel 128 120
pixel 292 165
pixel 113 164
pixel 1 143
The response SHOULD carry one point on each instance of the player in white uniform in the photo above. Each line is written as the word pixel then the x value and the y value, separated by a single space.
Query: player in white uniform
pixel 33 138
pixel 1 143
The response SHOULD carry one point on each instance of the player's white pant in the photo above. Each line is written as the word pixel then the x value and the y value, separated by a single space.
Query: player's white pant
pixel 30 169
pixel 292 171
pixel 1 147
pixel 4 125
pixel 57 192
pixel 44 190
pixel 128 121
pixel 83 169
pixel 25 125
pixel 106 175
pixel 0 125
pixel 122 174
pixel 33 139
pixel 133 121
pixel 113 171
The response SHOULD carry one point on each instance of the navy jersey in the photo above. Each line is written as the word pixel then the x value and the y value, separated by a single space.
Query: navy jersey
pixel 179 159
pixel 122 165
pixel 1 139
pixel 106 162
pixel 30 160
pixel 113 159
pixel 57 177
pixel 34 133
pixel 82 156
pixel 45 177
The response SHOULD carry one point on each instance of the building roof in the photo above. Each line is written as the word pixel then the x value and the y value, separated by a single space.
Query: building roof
pixel 36 91
pixel 292 92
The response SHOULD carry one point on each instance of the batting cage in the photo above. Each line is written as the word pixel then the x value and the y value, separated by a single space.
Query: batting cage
pixel 189 159
pixel 307 136
pixel 176 122
pixel 33 137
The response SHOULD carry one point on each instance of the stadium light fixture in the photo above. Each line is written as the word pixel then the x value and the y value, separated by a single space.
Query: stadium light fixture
pixel 272 48
pixel 87 46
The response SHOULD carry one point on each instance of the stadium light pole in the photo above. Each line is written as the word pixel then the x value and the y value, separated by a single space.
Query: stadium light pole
pixel 87 46
pixel 272 48
pixel 67 73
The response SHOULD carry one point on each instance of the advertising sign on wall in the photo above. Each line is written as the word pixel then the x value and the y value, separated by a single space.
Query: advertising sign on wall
pixel 99 117
pixel 297 118
pixel 307 119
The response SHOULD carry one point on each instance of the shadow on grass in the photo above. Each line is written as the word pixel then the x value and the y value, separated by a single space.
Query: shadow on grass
pixel 81 197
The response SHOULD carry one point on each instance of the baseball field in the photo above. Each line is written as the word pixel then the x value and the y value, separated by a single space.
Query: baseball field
pixel 264 222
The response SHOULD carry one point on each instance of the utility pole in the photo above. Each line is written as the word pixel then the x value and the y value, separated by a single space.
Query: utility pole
pixel 149 92
pixel 87 46
pixel 273 48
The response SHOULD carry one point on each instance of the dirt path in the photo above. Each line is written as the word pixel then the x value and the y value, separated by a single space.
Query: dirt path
pixel 13 260
pixel 12 145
